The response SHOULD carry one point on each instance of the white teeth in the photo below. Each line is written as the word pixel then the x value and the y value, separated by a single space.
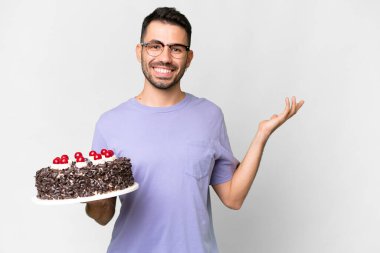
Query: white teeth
pixel 162 70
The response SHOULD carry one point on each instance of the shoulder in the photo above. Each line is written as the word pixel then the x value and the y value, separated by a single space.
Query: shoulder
pixel 206 106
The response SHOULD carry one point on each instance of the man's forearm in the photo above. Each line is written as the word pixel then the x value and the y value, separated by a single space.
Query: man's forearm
pixel 233 192
pixel 246 172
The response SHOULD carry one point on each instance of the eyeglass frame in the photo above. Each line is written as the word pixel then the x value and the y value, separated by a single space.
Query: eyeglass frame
pixel 145 44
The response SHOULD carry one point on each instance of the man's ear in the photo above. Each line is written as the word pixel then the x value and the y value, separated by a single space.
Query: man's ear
pixel 190 55
pixel 138 52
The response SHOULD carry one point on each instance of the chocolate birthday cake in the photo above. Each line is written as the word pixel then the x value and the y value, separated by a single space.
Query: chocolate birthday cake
pixel 84 177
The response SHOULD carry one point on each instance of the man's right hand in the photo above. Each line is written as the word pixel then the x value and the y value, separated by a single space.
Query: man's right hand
pixel 102 210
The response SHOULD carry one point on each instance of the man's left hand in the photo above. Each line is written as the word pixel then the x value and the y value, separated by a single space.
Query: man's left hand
pixel 267 127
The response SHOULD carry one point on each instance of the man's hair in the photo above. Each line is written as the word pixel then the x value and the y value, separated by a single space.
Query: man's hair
pixel 167 15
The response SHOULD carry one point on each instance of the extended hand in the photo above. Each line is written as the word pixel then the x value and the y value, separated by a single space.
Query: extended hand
pixel 269 126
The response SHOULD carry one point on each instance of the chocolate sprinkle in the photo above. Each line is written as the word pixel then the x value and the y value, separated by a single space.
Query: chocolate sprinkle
pixel 91 180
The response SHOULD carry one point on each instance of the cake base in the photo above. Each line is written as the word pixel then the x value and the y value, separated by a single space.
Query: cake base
pixel 55 202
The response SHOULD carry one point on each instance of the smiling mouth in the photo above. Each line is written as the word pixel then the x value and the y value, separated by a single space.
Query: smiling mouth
pixel 162 70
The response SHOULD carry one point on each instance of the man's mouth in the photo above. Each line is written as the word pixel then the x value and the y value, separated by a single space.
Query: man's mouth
pixel 162 70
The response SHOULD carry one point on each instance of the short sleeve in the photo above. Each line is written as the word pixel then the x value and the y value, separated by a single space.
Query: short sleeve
pixel 98 141
pixel 225 162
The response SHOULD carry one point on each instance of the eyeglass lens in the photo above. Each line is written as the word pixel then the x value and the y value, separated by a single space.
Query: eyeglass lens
pixel 155 49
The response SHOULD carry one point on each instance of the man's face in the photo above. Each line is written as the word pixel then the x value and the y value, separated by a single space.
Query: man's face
pixel 164 71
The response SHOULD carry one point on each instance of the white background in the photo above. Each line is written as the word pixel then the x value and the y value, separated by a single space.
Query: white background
pixel 63 63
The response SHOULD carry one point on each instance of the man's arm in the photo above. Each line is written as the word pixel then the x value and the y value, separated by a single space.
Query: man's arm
pixel 101 211
pixel 234 192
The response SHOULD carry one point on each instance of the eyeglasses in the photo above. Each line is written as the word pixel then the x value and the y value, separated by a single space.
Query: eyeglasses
pixel 156 47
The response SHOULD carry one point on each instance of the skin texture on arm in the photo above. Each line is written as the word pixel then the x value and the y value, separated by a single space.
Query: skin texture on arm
pixel 234 192
pixel 101 211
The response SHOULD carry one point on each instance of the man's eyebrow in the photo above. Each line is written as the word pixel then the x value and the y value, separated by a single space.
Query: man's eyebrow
pixel 170 44
pixel 156 41
pixel 177 44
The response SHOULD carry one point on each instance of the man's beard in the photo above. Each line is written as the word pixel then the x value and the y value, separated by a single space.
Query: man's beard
pixel 158 84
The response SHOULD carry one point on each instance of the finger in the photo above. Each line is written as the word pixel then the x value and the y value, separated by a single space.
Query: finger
pixel 293 108
pixel 287 106
pixel 299 105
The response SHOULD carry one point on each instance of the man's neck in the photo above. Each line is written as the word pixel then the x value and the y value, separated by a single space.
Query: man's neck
pixel 151 96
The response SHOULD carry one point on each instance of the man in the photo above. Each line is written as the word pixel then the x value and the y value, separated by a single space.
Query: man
pixel 178 146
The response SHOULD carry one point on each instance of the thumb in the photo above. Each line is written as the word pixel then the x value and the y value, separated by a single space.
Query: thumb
pixel 274 116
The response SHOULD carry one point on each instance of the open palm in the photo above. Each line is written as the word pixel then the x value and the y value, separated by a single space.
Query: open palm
pixel 270 125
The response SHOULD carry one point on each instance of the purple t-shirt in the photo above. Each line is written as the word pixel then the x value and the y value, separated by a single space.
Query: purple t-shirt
pixel 176 153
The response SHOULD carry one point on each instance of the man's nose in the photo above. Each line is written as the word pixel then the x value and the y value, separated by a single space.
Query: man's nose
pixel 166 56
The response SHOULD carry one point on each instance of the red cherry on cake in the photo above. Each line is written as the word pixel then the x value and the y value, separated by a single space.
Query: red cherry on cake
pixel 57 160
pixel 108 154
pixel 97 157
pixel 64 160
pixel 78 154
pixel 111 152
pixel 92 153
pixel 64 156
pixel 104 151
pixel 80 159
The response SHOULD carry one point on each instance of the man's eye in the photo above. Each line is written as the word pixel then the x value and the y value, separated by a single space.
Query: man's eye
pixel 155 46
pixel 177 49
